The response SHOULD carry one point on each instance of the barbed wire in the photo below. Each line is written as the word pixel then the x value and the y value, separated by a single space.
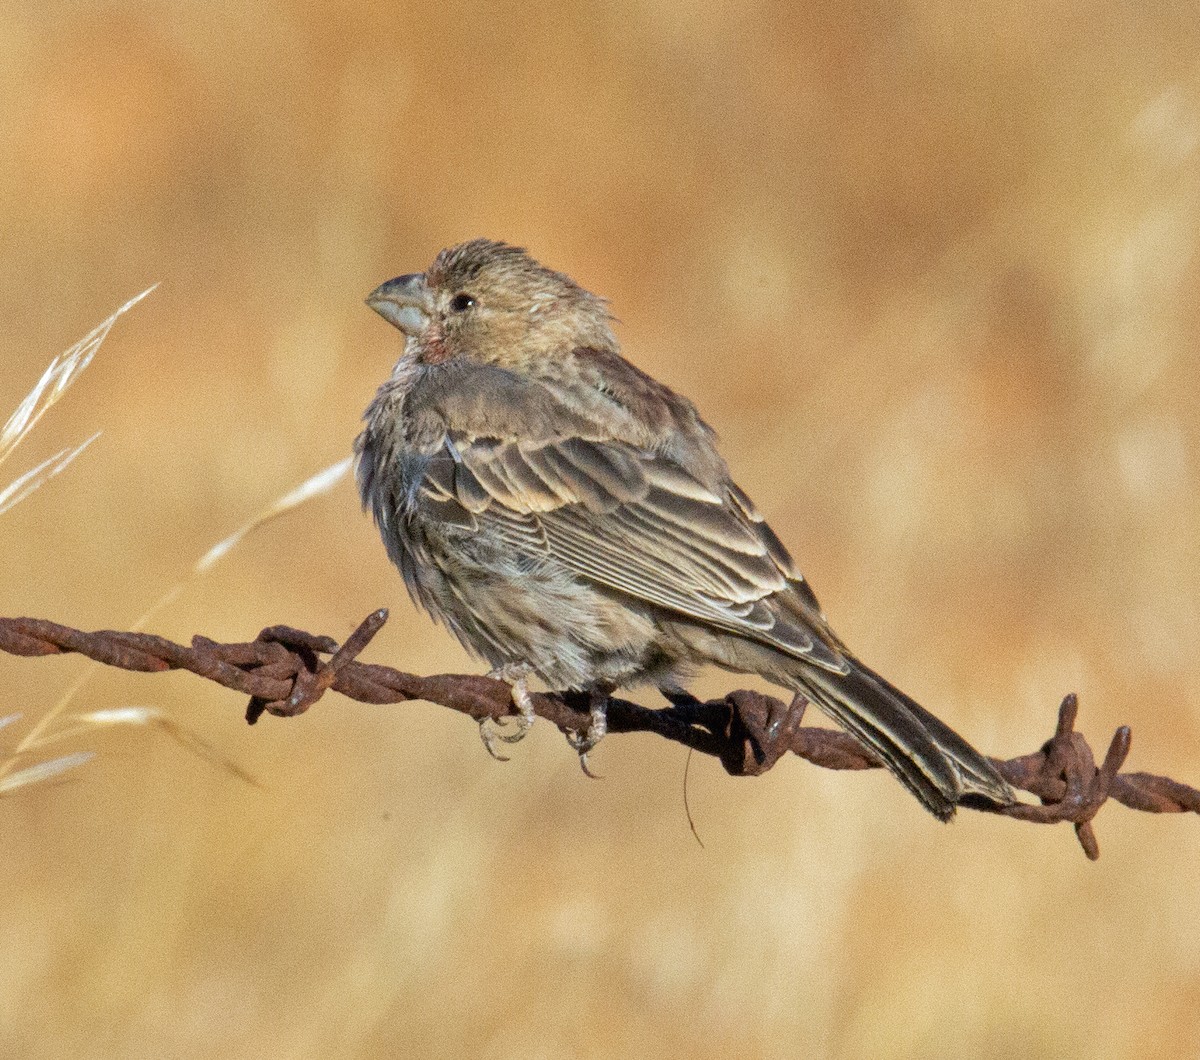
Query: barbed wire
pixel 283 673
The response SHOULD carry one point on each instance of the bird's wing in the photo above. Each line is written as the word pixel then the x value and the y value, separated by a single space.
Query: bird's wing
pixel 636 522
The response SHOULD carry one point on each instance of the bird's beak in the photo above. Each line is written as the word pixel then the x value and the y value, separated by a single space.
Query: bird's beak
pixel 404 302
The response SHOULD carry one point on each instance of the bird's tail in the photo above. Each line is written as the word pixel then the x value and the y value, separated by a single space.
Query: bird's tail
pixel 928 757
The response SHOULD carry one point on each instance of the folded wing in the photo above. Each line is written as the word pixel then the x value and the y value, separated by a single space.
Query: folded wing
pixel 636 522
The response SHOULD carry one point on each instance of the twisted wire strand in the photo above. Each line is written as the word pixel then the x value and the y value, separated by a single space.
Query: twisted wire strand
pixel 284 673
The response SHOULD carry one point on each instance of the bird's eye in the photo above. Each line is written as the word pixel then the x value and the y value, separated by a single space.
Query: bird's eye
pixel 460 303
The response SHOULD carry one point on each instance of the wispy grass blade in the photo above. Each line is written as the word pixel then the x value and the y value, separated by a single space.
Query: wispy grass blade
pixel 55 381
pixel 321 482
pixel 50 387
pixel 61 373
pixel 44 770
pixel 20 488
pixel 183 736
pixel 143 717
pixel 38 736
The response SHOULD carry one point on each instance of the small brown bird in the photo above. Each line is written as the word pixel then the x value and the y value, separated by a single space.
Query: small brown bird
pixel 569 517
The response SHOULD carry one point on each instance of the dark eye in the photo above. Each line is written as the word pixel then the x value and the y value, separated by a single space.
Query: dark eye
pixel 460 303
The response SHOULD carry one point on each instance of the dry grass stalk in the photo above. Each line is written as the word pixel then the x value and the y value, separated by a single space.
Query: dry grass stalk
pixel 62 372
pixel 55 381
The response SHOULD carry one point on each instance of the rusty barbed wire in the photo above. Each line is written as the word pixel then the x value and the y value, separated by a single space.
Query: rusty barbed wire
pixel 283 673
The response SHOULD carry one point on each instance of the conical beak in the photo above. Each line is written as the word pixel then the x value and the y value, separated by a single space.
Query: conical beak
pixel 404 302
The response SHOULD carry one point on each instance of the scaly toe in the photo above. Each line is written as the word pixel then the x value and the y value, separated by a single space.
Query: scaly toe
pixel 524 724
pixel 516 677
pixel 583 743
pixel 488 734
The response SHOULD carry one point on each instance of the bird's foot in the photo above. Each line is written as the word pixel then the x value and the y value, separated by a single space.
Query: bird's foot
pixel 584 742
pixel 516 676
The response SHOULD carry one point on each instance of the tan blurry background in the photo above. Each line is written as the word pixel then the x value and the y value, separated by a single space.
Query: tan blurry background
pixel 931 271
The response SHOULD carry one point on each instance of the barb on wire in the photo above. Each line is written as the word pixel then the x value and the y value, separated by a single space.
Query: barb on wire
pixel 283 673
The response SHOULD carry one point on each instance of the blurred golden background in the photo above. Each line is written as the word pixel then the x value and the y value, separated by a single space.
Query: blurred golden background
pixel 931 271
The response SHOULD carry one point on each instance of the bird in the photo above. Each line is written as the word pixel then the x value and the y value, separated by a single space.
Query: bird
pixel 569 517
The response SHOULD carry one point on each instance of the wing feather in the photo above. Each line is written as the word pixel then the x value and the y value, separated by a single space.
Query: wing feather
pixel 637 522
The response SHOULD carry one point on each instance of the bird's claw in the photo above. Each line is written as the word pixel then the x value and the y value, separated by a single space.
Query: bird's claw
pixel 516 677
pixel 587 770
pixel 489 735
pixel 584 742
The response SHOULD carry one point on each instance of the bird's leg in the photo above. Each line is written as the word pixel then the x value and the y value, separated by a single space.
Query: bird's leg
pixel 516 676
pixel 597 727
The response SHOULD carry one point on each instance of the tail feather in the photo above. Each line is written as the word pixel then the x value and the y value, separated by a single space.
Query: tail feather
pixel 928 757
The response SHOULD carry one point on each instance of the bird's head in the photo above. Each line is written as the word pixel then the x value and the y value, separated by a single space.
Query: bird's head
pixel 492 303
